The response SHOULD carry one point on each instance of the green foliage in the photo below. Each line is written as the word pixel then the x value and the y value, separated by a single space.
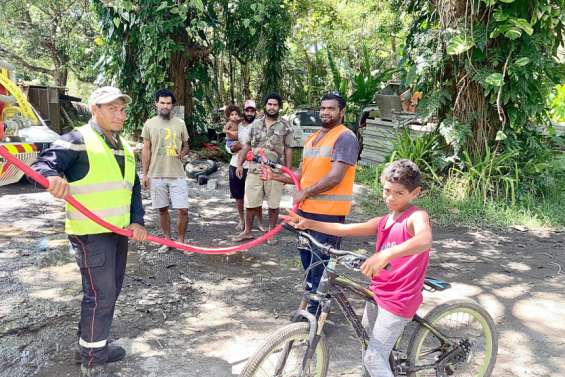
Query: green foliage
pixel 487 70
pixel 46 40
pixel 447 207
pixel 493 177
pixel 154 30
pixel 351 47
pixel 508 48
pixel 358 88
pixel 530 210
pixel 278 23
pixel 557 104
pixel 174 44
pixel 424 150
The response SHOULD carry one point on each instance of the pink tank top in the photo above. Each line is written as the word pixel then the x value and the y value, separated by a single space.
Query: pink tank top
pixel 399 290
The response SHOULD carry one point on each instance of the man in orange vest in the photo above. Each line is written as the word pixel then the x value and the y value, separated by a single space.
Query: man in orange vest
pixel 326 174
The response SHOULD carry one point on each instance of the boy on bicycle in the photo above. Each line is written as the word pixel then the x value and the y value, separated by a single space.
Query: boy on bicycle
pixel 403 241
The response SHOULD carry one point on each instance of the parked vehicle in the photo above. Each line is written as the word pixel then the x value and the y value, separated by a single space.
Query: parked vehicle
pixel 22 130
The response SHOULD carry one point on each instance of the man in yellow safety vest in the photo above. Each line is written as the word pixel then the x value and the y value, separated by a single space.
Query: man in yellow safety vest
pixel 95 165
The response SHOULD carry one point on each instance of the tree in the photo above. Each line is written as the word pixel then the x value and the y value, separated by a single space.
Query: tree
pixel 344 46
pixel 152 44
pixel 49 38
pixel 486 67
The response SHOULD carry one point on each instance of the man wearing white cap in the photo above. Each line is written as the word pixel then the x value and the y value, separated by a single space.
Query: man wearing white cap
pixel 237 184
pixel 95 165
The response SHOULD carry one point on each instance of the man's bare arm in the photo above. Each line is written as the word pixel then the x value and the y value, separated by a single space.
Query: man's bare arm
pixel 184 150
pixel 288 156
pixel 146 156
pixel 145 162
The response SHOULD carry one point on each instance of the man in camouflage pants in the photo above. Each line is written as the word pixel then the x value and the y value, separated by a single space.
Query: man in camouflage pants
pixel 274 136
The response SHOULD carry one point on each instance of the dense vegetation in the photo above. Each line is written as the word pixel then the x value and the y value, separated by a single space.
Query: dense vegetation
pixel 491 73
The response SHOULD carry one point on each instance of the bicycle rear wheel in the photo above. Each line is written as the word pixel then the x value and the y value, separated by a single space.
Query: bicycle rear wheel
pixel 282 353
pixel 474 342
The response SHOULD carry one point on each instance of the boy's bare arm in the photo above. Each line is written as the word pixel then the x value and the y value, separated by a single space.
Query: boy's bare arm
pixel 368 228
pixel 419 224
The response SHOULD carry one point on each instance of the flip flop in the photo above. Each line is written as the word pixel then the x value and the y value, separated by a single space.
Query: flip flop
pixel 164 249
pixel 242 237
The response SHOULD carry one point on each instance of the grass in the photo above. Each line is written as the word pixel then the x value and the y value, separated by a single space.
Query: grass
pixel 528 211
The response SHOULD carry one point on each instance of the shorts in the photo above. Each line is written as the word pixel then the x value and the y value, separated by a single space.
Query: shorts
pixel 257 190
pixel 165 190
pixel 237 186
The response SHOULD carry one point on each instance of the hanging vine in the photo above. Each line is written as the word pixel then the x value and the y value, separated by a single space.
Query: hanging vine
pixel 486 66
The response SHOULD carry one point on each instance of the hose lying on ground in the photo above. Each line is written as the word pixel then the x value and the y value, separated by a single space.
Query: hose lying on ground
pixel 158 240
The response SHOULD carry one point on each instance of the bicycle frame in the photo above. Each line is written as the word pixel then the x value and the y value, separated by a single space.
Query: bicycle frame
pixel 332 287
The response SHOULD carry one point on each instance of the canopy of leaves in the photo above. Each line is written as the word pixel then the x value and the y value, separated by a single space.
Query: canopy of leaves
pixel 151 44
pixel 344 46
pixel 47 39
pixel 487 69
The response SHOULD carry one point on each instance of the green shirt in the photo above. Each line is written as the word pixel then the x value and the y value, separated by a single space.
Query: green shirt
pixel 166 137
pixel 273 139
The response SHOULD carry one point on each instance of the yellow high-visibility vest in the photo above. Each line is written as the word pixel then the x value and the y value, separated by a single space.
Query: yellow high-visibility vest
pixel 316 164
pixel 104 190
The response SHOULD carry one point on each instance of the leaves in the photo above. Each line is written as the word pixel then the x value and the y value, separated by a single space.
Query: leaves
pixel 521 62
pixel 513 33
pixel 495 79
pixel 48 39
pixel 198 4
pixel 459 44
pixel 522 24
pixel 500 135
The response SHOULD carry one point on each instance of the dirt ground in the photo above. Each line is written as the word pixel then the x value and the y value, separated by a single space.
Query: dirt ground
pixel 188 316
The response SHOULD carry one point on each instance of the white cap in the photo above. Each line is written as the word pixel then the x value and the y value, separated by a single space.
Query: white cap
pixel 249 103
pixel 107 94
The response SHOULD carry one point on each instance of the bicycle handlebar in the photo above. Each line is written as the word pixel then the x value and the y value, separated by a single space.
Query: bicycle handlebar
pixel 323 247
pixel 327 249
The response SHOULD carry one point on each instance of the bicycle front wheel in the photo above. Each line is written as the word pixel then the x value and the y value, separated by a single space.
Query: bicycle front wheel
pixel 472 342
pixel 283 352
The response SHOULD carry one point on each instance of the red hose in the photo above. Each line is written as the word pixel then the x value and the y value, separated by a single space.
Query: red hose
pixel 128 233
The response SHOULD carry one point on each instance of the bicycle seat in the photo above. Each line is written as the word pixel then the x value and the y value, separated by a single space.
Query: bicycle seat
pixel 436 284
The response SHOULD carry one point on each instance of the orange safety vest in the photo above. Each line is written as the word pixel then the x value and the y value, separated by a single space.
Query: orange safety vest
pixel 316 164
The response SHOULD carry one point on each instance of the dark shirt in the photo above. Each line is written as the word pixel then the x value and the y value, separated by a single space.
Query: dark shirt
pixel 346 148
pixel 67 156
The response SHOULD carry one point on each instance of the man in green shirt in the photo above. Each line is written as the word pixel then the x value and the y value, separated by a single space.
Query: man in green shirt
pixel 165 143
pixel 273 136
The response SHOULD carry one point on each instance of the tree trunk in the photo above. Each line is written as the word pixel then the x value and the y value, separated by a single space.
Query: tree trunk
pixel 221 82
pixel 232 79
pixel 60 72
pixel 177 74
pixel 61 76
pixel 245 81
pixel 189 108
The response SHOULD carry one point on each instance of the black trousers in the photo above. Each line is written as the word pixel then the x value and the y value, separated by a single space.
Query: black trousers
pixel 313 256
pixel 102 260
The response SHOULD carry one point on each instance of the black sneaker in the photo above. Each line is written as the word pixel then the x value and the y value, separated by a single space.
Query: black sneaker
pixel 96 371
pixel 115 353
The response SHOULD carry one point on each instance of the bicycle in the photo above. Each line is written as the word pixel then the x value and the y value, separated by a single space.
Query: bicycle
pixel 457 338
